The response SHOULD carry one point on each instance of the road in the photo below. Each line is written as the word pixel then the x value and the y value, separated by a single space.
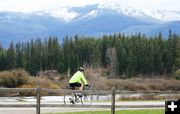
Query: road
pixel 20 102
pixel 44 110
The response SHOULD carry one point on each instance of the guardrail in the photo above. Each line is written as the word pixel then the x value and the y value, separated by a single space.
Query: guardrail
pixel 38 93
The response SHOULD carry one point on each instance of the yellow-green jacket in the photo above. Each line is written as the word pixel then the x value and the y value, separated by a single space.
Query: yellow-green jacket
pixel 78 77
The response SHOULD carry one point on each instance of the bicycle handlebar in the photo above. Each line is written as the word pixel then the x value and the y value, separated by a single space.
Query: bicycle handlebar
pixel 87 86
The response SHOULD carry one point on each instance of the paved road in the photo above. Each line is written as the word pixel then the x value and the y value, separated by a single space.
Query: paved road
pixel 54 101
pixel 53 110
pixel 44 110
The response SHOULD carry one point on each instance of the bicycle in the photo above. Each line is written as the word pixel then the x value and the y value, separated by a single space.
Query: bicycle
pixel 78 98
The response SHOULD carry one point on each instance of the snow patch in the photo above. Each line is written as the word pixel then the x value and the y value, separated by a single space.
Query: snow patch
pixel 61 13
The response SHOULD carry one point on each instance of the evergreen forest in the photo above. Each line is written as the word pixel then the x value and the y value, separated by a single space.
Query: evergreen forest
pixel 120 54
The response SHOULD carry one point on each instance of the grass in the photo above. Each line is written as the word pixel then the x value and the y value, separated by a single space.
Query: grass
pixel 155 111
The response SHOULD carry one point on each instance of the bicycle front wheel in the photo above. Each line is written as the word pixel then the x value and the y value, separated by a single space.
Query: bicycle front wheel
pixel 87 99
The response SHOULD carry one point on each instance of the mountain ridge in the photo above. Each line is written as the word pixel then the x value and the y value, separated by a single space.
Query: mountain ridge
pixel 92 20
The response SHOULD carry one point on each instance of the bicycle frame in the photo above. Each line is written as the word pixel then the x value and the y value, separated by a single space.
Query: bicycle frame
pixel 74 98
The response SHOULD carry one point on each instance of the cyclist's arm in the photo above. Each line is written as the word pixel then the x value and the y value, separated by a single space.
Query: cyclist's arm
pixel 84 80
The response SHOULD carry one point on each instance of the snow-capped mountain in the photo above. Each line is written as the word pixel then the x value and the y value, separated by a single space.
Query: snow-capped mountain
pixel 89 20
pixel 68 14
pixel 162 15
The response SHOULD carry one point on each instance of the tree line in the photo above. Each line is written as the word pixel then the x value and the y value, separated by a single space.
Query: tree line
pixel 126 55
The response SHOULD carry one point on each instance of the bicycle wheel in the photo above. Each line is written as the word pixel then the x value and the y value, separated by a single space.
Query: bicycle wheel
pixel 87 99
pixel 72 99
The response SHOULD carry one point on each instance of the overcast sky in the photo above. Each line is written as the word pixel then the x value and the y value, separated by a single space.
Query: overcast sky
pixel 35 5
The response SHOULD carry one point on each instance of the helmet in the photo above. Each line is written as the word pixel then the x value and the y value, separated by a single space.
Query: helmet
pixel 81 68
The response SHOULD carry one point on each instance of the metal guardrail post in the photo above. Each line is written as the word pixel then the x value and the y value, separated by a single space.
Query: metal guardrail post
pixel 113 101
pixel 38 100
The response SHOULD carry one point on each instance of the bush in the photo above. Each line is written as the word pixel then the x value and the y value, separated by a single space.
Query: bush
pixel 42 83
pixel 13 78
pixel 177 74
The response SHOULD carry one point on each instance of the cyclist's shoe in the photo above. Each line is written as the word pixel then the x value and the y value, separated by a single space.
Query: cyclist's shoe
pixel 71 100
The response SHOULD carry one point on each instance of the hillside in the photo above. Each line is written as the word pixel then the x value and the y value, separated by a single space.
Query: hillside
pixel 92 20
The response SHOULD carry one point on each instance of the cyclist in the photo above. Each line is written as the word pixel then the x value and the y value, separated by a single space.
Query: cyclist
pixel 78 80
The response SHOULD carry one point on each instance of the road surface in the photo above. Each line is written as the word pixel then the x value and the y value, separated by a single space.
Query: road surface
pixel 18 103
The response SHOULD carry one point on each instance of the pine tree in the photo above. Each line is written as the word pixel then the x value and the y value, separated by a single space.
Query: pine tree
pixel 11 57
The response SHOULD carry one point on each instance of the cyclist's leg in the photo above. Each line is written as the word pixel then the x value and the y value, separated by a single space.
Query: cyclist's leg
pixel 81 88
pixel 75 96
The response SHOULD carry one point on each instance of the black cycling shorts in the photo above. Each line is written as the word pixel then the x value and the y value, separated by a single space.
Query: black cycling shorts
pixel 73 85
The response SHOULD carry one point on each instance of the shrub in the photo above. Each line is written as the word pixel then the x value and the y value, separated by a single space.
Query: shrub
pixel 177 74
pixel 13 78
pixel 42 83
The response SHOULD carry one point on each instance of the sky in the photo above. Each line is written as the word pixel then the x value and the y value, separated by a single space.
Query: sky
pixel 36 5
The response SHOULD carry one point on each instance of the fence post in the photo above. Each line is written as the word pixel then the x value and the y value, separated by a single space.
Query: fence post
pixel 38 100
pixel 113 101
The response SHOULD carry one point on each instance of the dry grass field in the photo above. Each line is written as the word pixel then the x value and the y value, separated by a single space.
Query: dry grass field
pixel 96 77
pixel 98 80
